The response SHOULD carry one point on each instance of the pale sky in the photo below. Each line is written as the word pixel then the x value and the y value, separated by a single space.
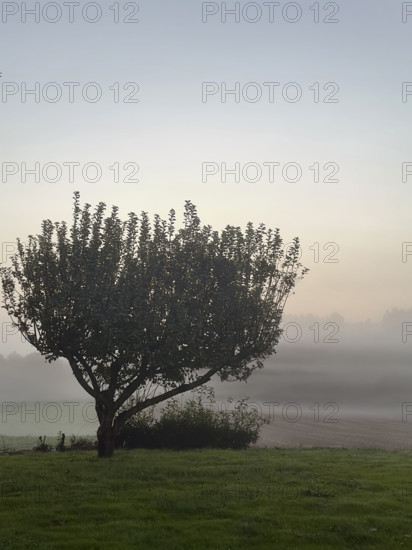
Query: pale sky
pixel 163 60
pixel 291 98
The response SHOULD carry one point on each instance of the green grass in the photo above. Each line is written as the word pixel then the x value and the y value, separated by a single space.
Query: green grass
pixel 209 499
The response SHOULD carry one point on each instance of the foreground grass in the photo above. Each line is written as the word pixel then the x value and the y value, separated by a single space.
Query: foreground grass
pixel 209 499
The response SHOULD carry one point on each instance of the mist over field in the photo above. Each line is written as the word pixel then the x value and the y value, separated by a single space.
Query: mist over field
pixel 323 366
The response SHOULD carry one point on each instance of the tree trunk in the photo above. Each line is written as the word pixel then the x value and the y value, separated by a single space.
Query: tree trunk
pixel 105 436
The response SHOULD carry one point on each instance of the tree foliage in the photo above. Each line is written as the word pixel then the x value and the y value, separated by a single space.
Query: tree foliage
pixel 136 306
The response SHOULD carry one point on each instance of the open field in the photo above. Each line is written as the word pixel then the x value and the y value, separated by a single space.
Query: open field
pixel 346 431
pixel 259 498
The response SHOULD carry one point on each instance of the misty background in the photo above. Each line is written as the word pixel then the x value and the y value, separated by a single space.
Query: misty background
pixel 351 370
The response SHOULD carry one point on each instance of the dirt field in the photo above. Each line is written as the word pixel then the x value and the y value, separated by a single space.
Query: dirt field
pixel 351 432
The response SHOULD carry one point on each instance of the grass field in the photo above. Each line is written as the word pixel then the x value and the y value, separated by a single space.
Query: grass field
pixel 208 499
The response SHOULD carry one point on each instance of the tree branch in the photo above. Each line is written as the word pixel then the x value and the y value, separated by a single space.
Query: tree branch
pixel 114 372
pixel 122 417
pixel 89 371
pixel 132 386
pixel 79 377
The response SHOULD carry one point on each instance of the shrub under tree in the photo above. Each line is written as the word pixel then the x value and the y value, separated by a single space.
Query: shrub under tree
pixel 198 423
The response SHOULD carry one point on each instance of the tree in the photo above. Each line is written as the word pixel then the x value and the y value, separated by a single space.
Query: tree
pixel 135 306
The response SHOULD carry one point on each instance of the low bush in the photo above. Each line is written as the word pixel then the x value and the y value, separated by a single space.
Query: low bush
pixel 42 446
pixel 60 442
pixel 81 444
pixel 195 425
